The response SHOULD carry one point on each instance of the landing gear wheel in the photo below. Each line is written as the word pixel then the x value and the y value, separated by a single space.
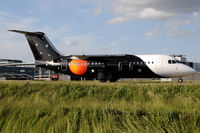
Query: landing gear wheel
pixel 180 80
pixel 113 80
pixel 103 80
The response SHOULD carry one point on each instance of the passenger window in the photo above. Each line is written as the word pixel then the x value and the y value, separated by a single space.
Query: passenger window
pixel 148 62
pixel 152 62
pixel 169 62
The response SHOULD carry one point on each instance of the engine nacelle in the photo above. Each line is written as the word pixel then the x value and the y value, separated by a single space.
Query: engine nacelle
pixel 119 66
pixel 130 66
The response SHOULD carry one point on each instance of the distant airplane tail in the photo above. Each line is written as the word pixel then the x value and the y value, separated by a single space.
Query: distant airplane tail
pixel 40 45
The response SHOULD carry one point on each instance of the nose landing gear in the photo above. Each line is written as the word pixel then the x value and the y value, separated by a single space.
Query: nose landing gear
pixel 180 80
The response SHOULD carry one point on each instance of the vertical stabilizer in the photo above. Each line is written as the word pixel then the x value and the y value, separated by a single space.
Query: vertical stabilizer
pixel 40 45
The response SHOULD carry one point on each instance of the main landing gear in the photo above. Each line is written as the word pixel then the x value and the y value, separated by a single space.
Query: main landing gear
pixel 180 80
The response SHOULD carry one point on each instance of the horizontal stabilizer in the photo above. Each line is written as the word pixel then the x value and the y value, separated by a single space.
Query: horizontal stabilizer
pixel 18 31
pixel 26 32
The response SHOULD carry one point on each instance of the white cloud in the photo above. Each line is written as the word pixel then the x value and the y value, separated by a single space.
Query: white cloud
pixel 99 7
pixel 176 28
pixel 180 33
pixel 5 14
pixel 152 33
pixel 153 13
pixel 77 44
pixel 152 9
pixel 10 21
pixel 175 24
pixel 12 47
pixel 98 11
pixel 195 14
pixel 44 5
pixel 118 20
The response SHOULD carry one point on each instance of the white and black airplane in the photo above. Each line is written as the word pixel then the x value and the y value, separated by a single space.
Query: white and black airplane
pixel 103 67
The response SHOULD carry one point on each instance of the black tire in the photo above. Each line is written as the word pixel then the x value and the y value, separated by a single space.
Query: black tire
pixel 103 80
pixel 180 80
pixel 113 80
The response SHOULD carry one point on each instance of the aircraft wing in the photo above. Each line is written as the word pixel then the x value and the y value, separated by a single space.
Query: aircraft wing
pixel 47 63
pixel 19 64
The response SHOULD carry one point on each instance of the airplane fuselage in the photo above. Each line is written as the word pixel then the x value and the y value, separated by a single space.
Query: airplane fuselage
pixel 114 67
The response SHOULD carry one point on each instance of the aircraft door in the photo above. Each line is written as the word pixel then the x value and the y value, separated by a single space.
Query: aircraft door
pixel 177 68
pixel 64 65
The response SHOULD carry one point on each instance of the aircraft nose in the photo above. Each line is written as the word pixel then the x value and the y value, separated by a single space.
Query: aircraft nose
pixel 185 70
pixel 189 70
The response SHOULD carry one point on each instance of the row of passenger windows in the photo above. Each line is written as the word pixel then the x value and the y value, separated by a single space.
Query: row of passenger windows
pixel 84 64
pixel 98 63
pixel 148 62
pixel 135 63
pixel 151 62
pixel 141 62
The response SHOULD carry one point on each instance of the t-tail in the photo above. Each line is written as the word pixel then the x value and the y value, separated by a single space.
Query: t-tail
pixel 42 48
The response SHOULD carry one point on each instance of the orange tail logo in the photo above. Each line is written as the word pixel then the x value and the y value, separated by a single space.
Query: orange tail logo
pixel 78 67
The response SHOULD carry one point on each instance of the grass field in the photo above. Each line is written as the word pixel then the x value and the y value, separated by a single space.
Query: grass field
pixel 34 106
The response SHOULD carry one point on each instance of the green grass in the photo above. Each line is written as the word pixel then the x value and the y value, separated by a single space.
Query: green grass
pixel 98 107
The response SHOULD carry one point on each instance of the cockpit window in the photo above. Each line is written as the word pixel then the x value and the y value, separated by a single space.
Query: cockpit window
pixel 172 62
pixel 178 61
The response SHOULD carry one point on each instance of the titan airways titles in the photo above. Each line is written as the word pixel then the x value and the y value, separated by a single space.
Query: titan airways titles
pixel 103 67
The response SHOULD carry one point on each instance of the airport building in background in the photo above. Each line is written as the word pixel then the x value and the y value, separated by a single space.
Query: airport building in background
pixel 25 72
pixel 15 72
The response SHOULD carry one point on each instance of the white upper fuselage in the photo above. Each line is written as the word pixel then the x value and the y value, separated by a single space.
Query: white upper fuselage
pixel 166 66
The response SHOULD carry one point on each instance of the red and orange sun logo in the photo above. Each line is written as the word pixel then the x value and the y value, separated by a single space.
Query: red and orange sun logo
pixel 78 67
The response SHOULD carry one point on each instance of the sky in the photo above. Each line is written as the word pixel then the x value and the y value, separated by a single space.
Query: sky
pixel 103 26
